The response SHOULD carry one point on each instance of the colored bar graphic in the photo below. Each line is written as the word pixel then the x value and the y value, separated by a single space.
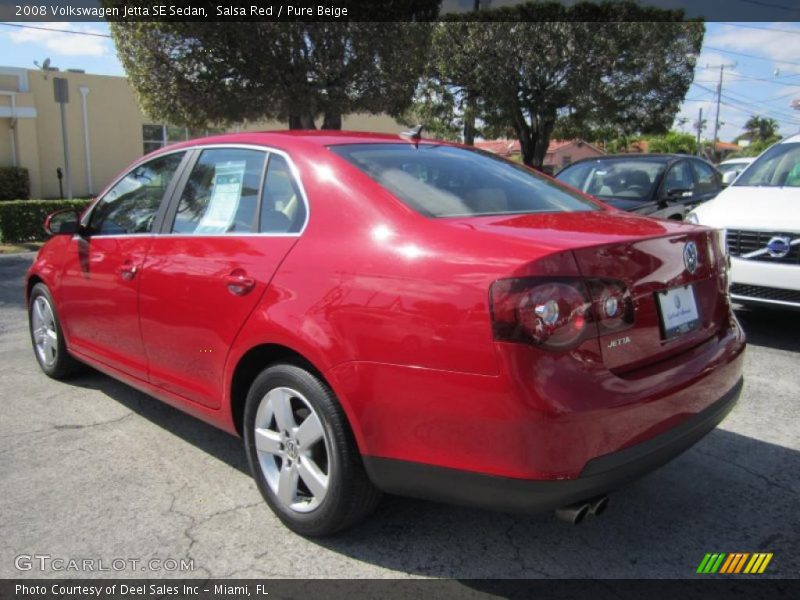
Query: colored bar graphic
pixel 734 562
pixel 765 563
pixel 741 562
pixel 717 564
pixel 703 563
pixel 727 564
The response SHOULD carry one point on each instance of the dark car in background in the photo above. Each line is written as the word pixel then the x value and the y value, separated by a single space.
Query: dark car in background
pixel 658 185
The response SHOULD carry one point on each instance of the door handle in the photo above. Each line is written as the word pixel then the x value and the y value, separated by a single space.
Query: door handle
pixel 239 283
pixel 128 270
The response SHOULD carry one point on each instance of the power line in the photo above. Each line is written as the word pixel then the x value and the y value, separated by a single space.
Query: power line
pixel 765 80
pixel 89 33
pixel 783 62
pixel 749 108
pixel 747 103
pixel 776 29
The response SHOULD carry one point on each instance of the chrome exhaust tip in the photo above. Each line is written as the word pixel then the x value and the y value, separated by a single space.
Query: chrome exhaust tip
pixel 574 513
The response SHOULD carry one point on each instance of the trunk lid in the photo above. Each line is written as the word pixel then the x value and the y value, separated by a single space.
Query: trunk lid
pixel 649 268
pixel 647 255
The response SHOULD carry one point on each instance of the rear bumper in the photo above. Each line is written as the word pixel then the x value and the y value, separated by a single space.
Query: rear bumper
pixel 599 476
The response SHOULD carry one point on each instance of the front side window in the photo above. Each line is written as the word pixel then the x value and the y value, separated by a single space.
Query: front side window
pixel 130 206
pixel 707 179
pixel 446 181
pixel 679 178
pixel 777 167
pixel 221 195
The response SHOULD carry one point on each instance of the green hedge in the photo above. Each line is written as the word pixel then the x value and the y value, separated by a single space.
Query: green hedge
pixel 23 220
pixel 14 183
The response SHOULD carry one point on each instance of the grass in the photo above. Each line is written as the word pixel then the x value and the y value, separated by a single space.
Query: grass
pixel 20 247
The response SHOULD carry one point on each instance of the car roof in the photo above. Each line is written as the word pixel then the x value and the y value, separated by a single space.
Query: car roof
pixel 289 139
pixel 792 139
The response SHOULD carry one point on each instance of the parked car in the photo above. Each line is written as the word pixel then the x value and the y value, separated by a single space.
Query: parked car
pixel 376 314
pixel 731 168
pixel 760 216
pixel 659 185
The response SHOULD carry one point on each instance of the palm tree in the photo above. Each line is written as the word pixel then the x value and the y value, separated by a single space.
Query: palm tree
pixel 760 129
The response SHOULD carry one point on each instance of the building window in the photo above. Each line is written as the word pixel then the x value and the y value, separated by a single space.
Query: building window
pixel 566 160
pixel 158 136
pixel 153 136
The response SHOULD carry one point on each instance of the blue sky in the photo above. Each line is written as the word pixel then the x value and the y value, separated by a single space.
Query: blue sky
pixel 762 72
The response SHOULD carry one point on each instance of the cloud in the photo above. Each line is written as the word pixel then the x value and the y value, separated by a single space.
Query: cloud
pixel 776 46
pixel 62 43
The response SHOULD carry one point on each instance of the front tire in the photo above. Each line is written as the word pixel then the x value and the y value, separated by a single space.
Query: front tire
pixel 302 453
pixel 47 336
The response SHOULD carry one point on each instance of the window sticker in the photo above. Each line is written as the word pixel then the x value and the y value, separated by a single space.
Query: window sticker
pixel 225 195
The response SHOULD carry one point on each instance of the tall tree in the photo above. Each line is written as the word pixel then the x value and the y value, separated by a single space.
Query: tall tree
pixel 760 129
pixel 582 61
pixel 196 73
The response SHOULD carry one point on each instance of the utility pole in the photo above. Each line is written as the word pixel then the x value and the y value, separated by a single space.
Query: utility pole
pixel 719 99
pixel 699 130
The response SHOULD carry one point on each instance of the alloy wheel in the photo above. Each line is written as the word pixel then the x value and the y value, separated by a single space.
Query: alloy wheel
pixel 45 334
pixel 293 449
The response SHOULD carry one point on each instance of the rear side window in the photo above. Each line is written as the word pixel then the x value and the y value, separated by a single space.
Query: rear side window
pixel 221 195
pixel 130 206
pixel 445 181
pixel 282 207
pixel 631 179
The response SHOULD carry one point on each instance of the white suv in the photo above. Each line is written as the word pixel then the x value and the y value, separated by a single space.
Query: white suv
pixel 760 213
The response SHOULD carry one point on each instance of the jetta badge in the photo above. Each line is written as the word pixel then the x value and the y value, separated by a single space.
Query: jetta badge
pixel 779 246
pixel 690 257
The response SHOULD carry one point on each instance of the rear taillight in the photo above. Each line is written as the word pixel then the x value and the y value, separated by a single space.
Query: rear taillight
pixel 612 304
pixel 551 313
pixel 558 313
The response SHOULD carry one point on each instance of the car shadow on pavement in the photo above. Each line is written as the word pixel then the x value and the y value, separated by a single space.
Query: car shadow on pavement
pixel 215 442
pixel 729 493
pixel 776 328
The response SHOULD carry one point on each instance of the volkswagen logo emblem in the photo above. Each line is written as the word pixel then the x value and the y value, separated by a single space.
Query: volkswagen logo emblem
pixel 690 257
pixel 779 246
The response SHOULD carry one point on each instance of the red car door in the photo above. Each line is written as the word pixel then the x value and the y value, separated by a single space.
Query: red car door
pixel 101 271
pixel 224 238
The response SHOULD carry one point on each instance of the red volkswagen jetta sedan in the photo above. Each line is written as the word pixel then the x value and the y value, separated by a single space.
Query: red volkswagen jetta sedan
pixel 376 314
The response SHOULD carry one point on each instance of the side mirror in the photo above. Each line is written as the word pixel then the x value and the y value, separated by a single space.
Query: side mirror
pixel 62 222
pixel 677 193
pixel 728 177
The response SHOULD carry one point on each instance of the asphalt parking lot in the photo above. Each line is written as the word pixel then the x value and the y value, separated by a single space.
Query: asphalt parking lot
pixel 92 469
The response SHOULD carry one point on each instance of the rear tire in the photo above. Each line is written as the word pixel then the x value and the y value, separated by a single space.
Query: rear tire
pixel 302 453
pixel 47 336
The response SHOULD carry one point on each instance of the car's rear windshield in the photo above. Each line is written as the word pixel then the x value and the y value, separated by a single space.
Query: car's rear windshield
pixel 777 167
pixel 447 181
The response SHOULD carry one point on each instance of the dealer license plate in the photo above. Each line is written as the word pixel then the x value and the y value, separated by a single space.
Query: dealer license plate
pixel 678 311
